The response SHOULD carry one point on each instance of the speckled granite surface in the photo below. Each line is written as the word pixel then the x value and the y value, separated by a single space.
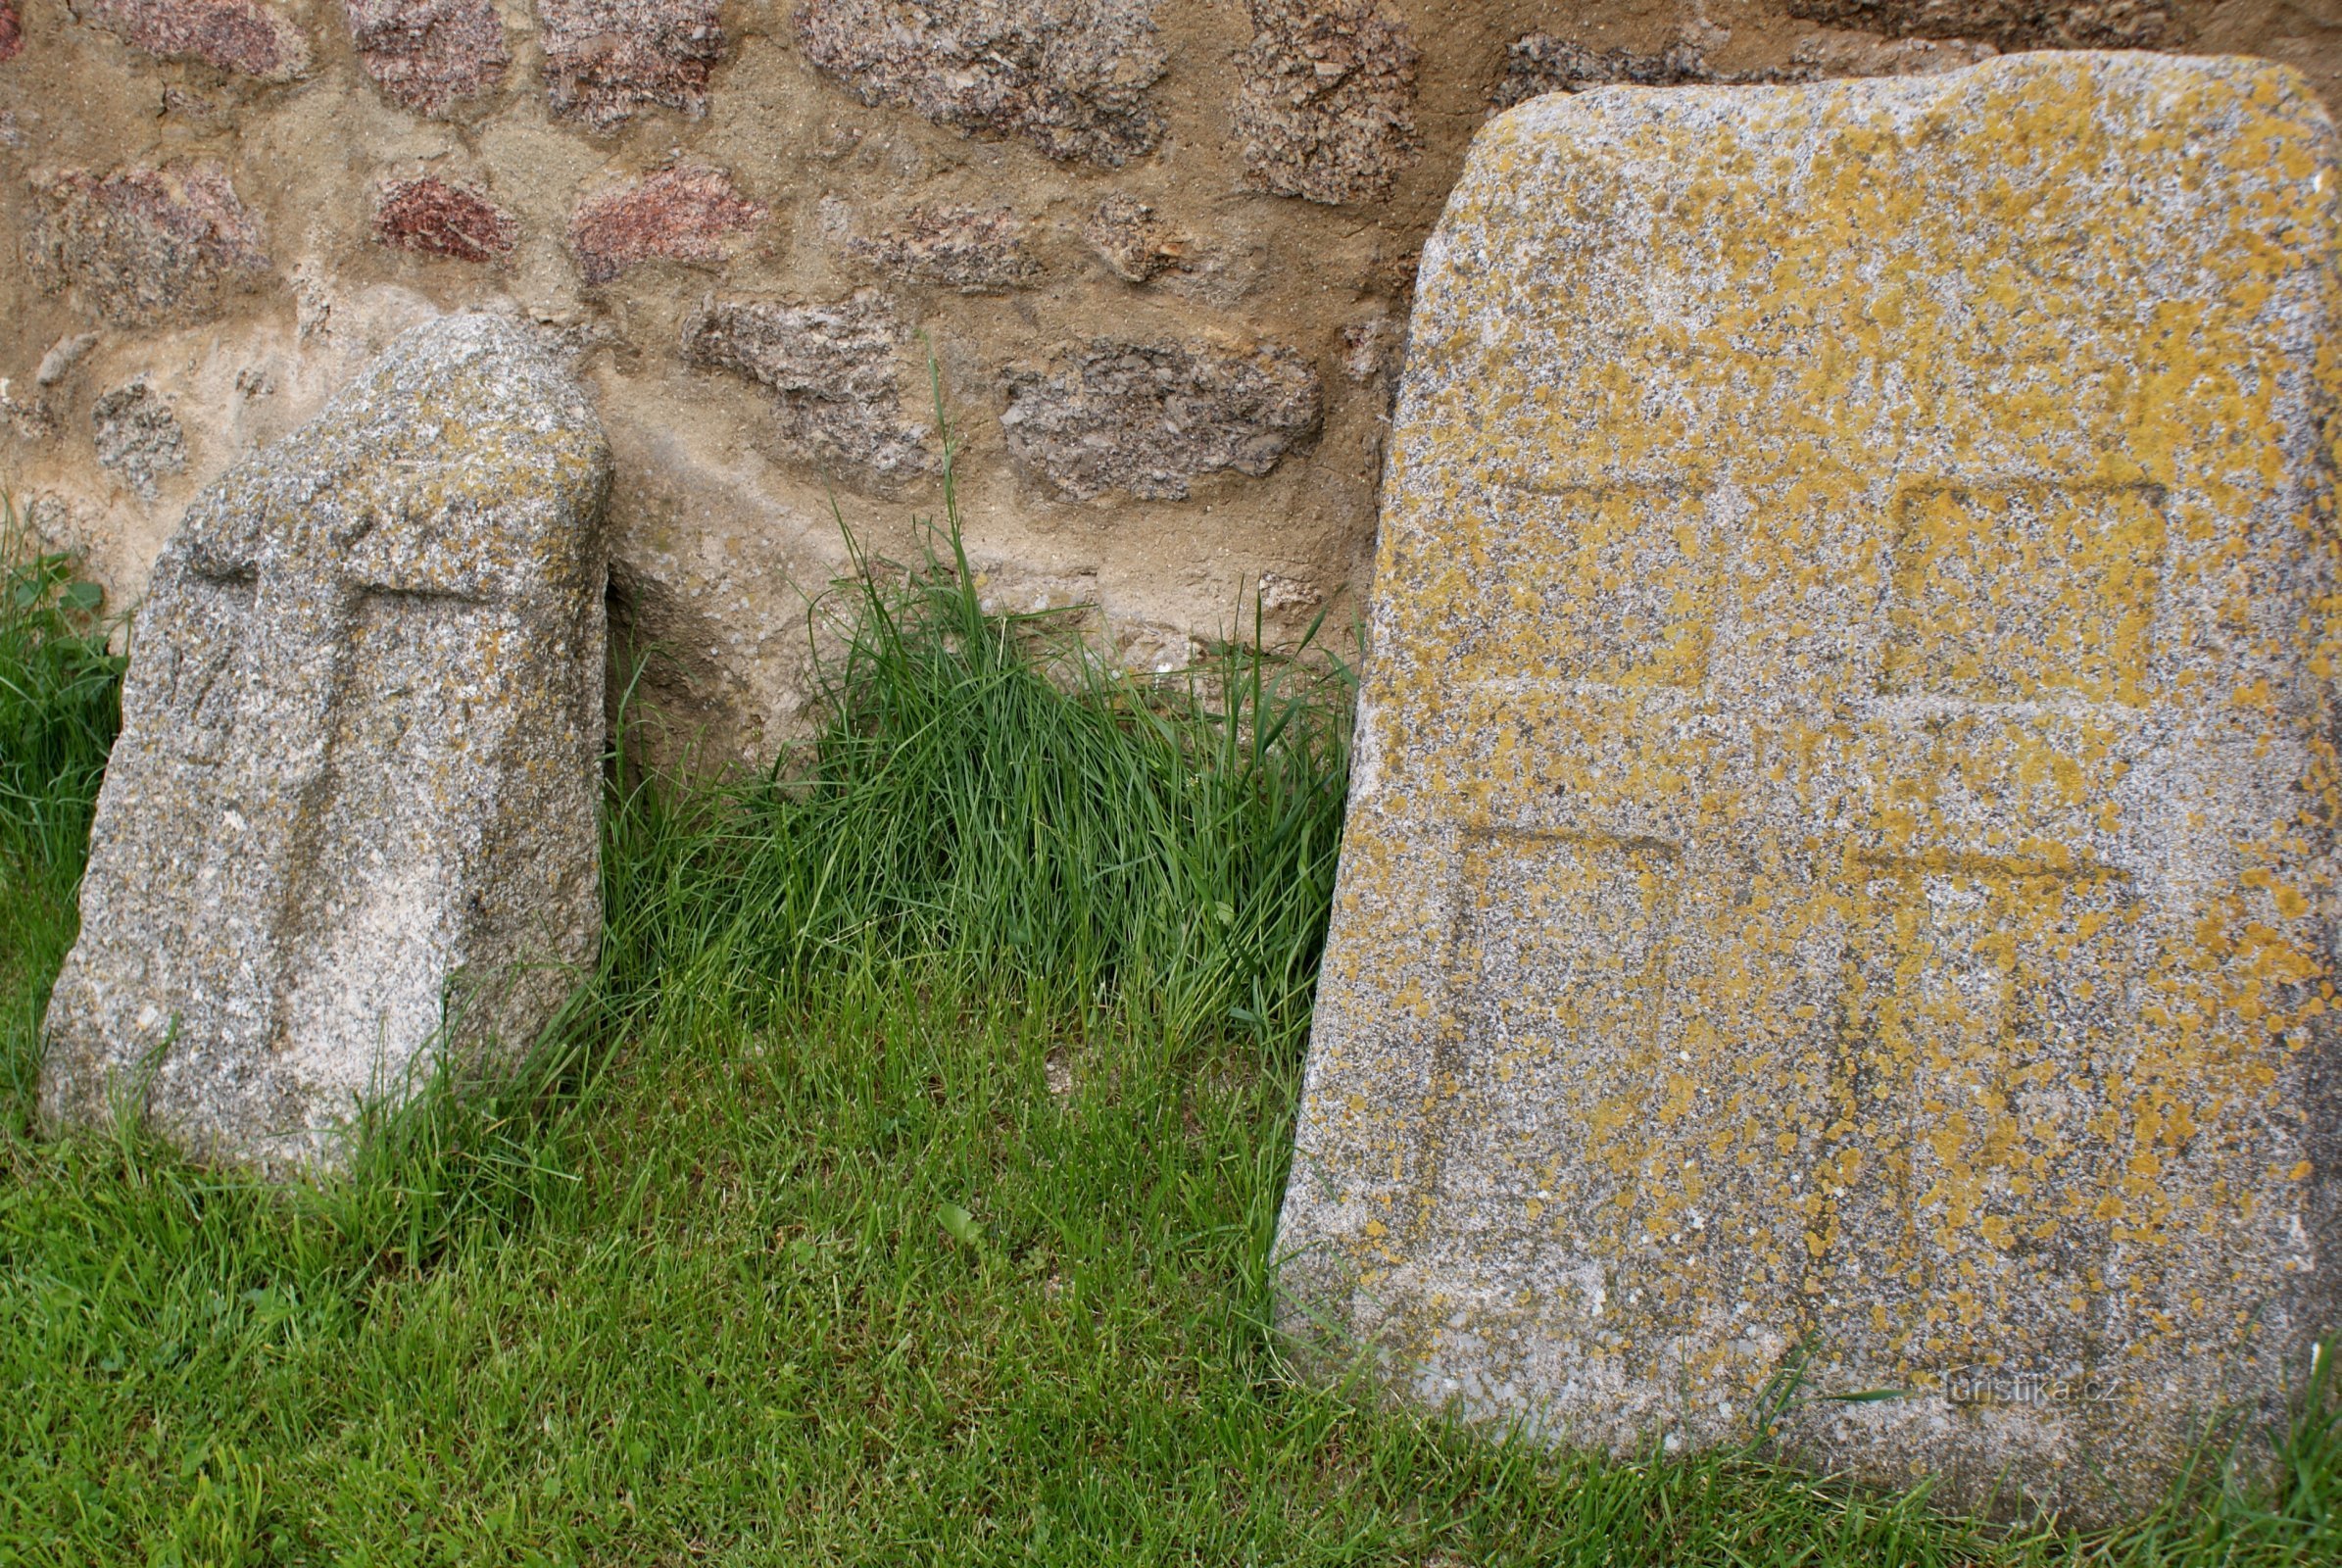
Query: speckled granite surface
pixel 1839 871
pixel 357 771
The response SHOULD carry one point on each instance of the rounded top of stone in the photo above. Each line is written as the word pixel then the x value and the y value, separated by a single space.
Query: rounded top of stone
pixel 458 463
pixel 475 356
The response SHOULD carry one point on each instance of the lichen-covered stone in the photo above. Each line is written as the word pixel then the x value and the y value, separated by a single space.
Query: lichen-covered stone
pixel 434 218
pixel 976 249
pixel 1132 239
pixel 145 245
pixel 2010 23
pixel 426 54
pixel 1151 417
pixel 606 60
pixel 834 369
pixel 1838 880
pixel 684 214
pixel 1325 106
pixel 137 437
pixel 245 35
pixel 1069 76
pixel 349 829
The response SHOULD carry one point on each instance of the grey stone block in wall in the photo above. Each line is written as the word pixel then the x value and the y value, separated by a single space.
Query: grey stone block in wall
pixel 1838 896
pixel 1072 77
pixel 1151 418
pixel 351 819
pixel 976 249
pixel 2010 23
pixel 834 369
pixel 137 436
pixel 1325 100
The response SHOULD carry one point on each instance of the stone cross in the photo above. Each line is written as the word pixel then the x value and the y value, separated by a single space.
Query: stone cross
pixel 350 824
pixel 1837 896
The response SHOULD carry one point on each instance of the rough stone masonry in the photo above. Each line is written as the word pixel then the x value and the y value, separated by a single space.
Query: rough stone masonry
pixel 351 816
pixel 1838 894
pixel 1156 256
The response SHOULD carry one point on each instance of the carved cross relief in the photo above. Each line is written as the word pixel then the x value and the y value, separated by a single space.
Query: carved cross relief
pixel 1944 943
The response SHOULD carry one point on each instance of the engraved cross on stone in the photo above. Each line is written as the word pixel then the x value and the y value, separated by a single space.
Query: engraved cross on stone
pixel 349 827
pixel 286 606
pixel 309 643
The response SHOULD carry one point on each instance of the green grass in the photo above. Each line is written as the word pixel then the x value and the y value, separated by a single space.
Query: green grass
pixel 60 706
pixel 901 1190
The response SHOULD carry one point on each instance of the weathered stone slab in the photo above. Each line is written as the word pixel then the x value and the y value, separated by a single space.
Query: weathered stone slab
pixel 137 436
pixel 351 816
pixel 1541 63
pixel 1839 867
pixel 2011 24
pixel 608 61
pixel 1134 240
pixel 686 212
pixel 976 249
pixel 243 36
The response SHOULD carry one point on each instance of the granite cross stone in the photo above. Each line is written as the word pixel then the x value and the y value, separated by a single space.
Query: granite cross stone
pixel 351 817
pixel 1838 894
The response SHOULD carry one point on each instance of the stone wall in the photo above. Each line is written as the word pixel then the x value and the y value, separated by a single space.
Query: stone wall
pixel 1157 252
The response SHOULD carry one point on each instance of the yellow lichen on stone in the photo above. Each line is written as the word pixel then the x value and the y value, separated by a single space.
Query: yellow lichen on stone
pixel 1839 868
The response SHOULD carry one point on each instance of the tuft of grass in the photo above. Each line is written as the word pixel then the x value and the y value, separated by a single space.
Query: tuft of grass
pixel 60 699
pixel 900 1189
pixel 60 707
pixel 990 798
